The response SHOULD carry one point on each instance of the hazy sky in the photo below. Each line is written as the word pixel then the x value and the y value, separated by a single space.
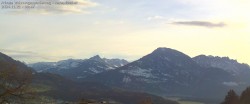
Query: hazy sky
pixel 127 29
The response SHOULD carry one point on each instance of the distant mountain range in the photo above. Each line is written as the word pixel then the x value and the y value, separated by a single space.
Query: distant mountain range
pixel 164 72
pixel 240 72
pixel 55 88
pixel 77 69
pixel 229 65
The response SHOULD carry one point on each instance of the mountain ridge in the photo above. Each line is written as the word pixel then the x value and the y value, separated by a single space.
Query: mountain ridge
pixel 77 69
pixel 167 72
pixel 164 72
pixel 61 89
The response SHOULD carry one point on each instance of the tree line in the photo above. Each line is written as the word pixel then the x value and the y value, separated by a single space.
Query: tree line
pixel 233 98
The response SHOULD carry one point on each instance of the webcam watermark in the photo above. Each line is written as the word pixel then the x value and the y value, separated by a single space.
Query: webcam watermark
pixel 34 4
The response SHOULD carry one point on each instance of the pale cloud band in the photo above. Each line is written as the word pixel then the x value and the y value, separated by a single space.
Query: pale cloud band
pixel 200 23
pixel 30 56
pixel 49 6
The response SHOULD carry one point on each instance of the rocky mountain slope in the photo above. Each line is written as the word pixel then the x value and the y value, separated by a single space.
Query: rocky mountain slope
pixel 168 72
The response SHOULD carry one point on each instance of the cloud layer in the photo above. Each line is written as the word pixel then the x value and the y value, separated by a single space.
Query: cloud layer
pixel 29 56
pixel 200 23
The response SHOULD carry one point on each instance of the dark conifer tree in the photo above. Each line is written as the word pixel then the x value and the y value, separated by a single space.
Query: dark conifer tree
pixel 245 96
pixel 231 98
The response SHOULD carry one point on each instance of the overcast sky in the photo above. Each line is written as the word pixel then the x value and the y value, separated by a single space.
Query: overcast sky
pixel 127 29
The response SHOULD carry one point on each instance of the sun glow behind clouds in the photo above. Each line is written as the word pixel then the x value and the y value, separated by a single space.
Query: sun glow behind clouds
pixel 131 29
